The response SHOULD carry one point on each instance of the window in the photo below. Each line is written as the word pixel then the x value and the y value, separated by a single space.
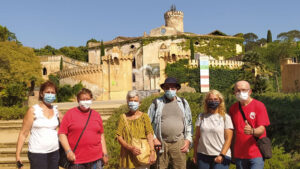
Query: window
pixel 44 71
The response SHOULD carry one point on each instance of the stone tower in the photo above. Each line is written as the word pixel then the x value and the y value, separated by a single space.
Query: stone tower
pixel 174 19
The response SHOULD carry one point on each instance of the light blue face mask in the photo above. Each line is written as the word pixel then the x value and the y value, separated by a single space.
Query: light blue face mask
pixel 49 97
pixel 133 106
pixel 170 94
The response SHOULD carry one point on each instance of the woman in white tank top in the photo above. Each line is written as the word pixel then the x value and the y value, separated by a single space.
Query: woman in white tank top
pixel 41 120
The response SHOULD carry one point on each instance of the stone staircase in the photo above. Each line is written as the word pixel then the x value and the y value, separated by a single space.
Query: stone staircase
pixel 9 131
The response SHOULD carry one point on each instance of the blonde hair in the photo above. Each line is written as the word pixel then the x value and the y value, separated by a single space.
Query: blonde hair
pixel 221 108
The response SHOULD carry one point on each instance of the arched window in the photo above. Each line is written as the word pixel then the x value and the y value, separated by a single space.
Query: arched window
pixel 44 71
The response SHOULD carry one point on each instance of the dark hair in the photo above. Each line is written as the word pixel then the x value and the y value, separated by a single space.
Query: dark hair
pixel 84 91
pixel 44 86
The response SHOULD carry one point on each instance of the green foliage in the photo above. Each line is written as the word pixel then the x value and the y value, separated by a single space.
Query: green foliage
pixel 269 36
pixel 78 53
pixel 6 35
pixel 19 66
pixel 250 37
pixel 192 49
pixel 65 92
pixel 91 40
pixel 220 78
pixel 12 113
pixel 47 50
pixel 292 35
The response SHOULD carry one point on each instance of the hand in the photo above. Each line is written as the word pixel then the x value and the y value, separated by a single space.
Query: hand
pixel 195 159
pixel 135 151
pixel 248 128
pixel 152 157
pixel 185 147
pixel 71 156
pixel 219 159
pixel 19 164
pixel 105 159
pixel 156 142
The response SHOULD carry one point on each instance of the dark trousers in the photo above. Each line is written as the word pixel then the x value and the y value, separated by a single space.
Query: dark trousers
pixel 207 162
pixel 43 160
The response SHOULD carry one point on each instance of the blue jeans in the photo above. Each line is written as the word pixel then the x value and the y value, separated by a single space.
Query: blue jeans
pixel 254 163
pixel 43 160
pixel 207 162
pixel 98 164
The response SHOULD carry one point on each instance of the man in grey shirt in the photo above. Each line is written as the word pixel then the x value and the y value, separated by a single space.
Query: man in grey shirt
pixel 172 124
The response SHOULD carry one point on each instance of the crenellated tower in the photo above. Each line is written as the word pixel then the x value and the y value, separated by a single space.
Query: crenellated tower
pixel 174 19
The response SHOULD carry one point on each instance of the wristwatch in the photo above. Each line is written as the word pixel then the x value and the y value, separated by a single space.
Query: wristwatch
pixel 222 155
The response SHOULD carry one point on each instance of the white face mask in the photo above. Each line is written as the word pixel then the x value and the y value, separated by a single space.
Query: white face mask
pixel 85 103
pixel 242 96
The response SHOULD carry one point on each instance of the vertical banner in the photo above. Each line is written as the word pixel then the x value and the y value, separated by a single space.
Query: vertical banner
pixel 204 73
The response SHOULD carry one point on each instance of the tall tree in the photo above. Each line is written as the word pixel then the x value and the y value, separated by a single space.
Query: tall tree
pixel 61 66
pixel 192 49
pixel 250 37
pixel 102 51
pixel 6 35
pixel 293 35
pixel 269 36
pixel 91 40
pixel 19 67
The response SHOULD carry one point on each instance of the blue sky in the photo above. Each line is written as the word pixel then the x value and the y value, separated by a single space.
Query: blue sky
pixel 59 23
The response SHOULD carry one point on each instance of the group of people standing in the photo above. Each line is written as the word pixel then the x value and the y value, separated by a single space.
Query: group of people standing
pixel 219 139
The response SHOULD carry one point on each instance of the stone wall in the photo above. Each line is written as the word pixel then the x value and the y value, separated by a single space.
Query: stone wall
pixel 290 74
pixel 52 64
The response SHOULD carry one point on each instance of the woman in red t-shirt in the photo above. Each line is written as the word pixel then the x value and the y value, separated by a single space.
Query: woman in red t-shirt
pixel 91 151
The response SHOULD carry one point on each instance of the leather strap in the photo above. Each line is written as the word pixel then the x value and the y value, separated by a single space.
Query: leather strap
pixel 82 131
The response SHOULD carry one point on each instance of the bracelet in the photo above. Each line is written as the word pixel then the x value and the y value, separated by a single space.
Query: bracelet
pixel 67 152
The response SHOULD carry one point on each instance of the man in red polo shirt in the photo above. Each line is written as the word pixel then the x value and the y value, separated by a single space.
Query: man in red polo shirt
pixel 246 151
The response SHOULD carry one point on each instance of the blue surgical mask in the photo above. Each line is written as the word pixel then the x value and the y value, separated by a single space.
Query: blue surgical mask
pixel 49 97
pixel 170 94
pixel 133 106
pixel 213 104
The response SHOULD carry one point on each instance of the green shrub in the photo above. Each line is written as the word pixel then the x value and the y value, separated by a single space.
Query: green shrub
pixel 12 113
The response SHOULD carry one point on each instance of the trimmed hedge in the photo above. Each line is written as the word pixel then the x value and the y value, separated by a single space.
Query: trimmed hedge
pixel 12 113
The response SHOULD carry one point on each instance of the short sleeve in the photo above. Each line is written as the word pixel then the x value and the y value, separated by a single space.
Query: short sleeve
pixel 148 125
pixel 228 122
pixel 198 121
pixel 100 121
pixel 262 116
pixel 63 128
pixel 120 126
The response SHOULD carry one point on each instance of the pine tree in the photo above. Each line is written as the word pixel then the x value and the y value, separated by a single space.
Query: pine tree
pixel 102 51
pixel 192 49
pixel 61 66
pixel 269 36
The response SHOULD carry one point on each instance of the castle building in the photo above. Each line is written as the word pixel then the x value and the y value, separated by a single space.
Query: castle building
pixel 139 62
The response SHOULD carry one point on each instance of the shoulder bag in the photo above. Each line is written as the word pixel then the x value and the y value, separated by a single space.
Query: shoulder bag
pixel 141 144
pixel 264 144
pixel 63 160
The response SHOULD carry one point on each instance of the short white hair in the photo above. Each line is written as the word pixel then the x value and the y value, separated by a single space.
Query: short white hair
pixel 132 94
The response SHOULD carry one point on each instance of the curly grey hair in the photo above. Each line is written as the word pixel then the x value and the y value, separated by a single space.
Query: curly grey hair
pixel 132 94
